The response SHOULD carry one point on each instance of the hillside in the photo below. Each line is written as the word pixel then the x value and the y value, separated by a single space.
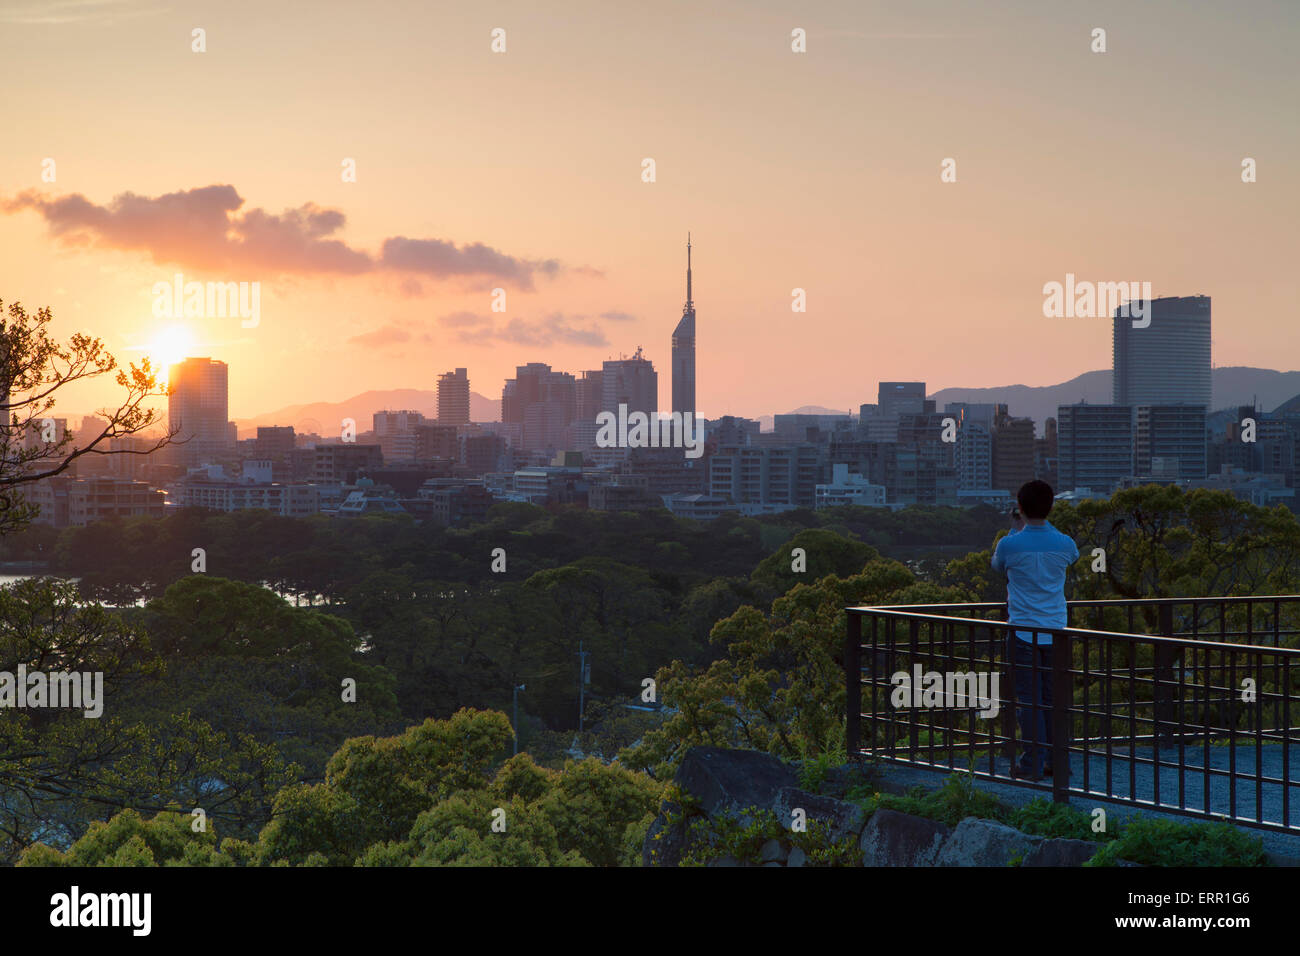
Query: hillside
pixel 316 416
pixel 1232 385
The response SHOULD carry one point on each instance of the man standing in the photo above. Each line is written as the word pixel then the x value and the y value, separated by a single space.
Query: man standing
pixel 1034 556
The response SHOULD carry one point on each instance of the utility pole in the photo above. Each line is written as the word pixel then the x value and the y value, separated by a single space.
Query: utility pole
pixel 515 723
pixel 584 678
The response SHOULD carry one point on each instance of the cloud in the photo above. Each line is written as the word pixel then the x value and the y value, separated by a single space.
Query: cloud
pixel 553 329
pixel 203 229
pixel 440 259
pixel 57 12
pixel 384 335
pixel 615 316
pixel 209 230
pixel 464 318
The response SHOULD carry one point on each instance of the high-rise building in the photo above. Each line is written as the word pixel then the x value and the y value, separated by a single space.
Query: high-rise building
pixel 396 433
pixel 198 410
pixel 916 476
pixel 1168 361
pixel 875 425
pixel 795 427
pixel 1045 456
pixel 389 422
pixel 436 441
pixel 453 397
pixel 1094 446
pixel 1172 434
pixel 345 462
pixel 589 393
pixel 730 430
pixel 136 463
pixel 902 398
pixel 684 349
pixel 1013 451
pixel 771 477
pixel 543 403
pixel 275 442
pixel 982 413
pixel 483 453
pixel 881 422
pixel 974 457
pixel 632 382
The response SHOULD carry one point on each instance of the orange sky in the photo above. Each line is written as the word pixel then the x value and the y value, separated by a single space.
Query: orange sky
pixel 522 170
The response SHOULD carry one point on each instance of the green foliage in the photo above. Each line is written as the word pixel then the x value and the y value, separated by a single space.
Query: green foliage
pixel 780 687
pixel 742 836
pixel 634 836
pixel 521 777
pixel 221 694
pixel 129 840
pixel 1154 842
pixel 59 771
pixel 826 553
pixel 815 767
pixel 310 820
pixel 1054 820
pixel 954 801
pixel 592 805
pixel 458 832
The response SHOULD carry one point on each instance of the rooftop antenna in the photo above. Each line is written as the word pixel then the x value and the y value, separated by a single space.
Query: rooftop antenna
pixel 690 306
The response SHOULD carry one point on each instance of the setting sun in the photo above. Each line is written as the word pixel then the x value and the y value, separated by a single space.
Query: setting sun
pixel 171 345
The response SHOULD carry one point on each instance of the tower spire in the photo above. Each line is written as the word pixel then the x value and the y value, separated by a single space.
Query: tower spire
pixel 690 306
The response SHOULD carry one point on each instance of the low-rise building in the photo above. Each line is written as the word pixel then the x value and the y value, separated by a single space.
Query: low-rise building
pixel 849 489
pixel 76 502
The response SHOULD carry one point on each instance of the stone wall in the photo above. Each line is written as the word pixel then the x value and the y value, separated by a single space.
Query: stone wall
pixel 719 785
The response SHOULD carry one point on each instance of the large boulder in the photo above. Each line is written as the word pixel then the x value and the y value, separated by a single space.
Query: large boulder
pixel 772 852
pixel 891 838
pixel 723 780
pixel 1062 852
pixel 717 781
pixel 845 819
pixel 977 842
pixel 664 841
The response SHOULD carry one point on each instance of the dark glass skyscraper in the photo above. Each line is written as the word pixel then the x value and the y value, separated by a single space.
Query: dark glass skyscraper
pixel 684 349
pixel 1168 361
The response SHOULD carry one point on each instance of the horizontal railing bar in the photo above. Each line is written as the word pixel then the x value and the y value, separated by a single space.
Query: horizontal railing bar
pixel 1125 602
pixel 1079 632
pixel 1135 726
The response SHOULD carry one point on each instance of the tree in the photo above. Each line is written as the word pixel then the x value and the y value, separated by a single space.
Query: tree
pixel 780 687
pixel 169 839
pixel 33 367
pixel 824 552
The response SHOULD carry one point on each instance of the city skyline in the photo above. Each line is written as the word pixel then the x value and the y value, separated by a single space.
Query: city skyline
pixel 389 277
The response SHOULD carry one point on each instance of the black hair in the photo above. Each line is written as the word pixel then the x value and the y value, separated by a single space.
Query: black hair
pixel 1035 499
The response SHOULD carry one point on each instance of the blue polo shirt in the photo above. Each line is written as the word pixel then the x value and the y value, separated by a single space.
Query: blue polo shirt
pixel 1035 560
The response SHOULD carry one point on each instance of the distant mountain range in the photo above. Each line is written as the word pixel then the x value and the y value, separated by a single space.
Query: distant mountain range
pixel 324 418
pixel 1233 385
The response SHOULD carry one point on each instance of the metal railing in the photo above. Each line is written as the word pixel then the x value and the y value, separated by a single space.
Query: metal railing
pixel 1184 705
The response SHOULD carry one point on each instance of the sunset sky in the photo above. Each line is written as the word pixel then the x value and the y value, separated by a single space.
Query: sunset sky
pixel 522 170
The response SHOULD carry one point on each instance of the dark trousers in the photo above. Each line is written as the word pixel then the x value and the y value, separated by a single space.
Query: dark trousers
pixel 1033 684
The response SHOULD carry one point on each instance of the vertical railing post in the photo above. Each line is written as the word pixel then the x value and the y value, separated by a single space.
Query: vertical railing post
pixel 913 652
pixel 1163 659
pixel 1061 700
pixel 1001 645
pixel 853 684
